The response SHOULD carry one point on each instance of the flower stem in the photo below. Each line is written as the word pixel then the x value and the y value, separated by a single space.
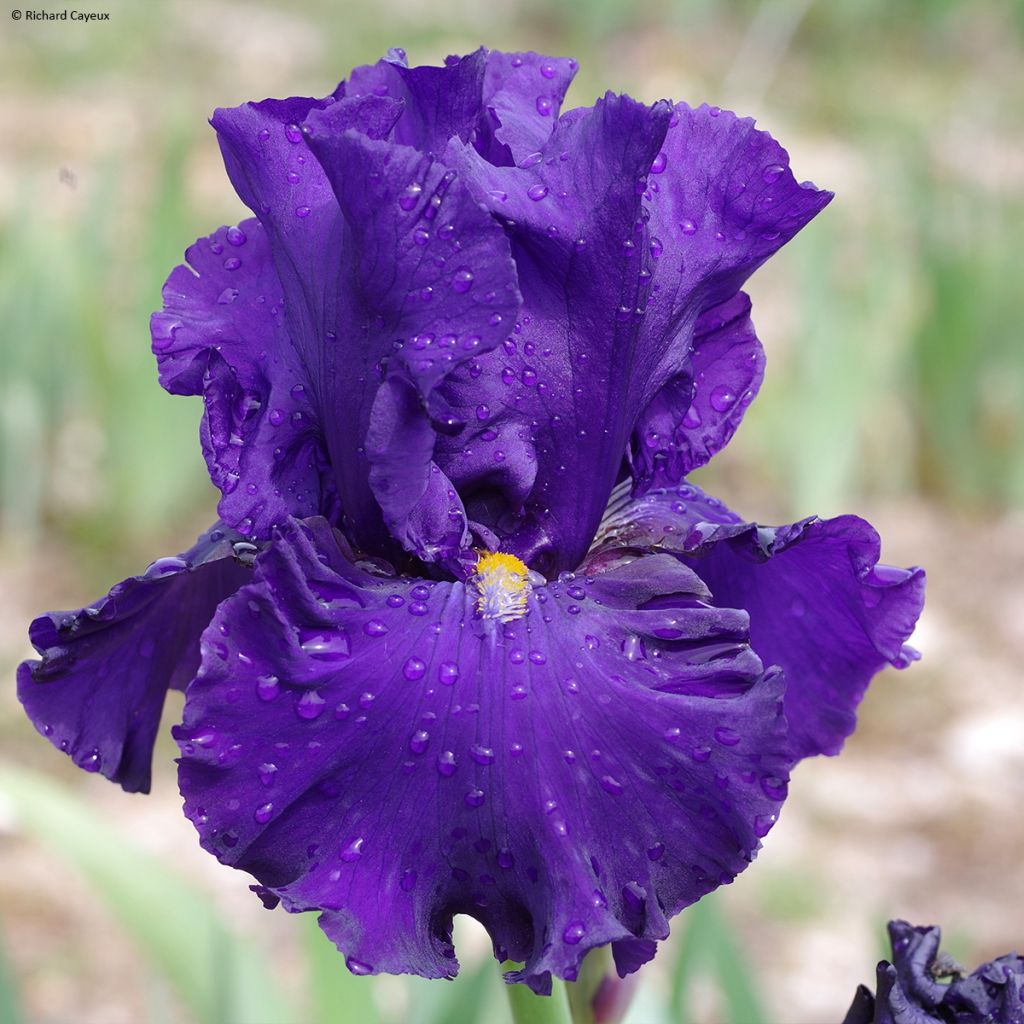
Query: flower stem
pixel 582 991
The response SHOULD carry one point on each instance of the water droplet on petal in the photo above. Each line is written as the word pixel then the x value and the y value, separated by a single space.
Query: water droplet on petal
pixel 414 668
pixel 268 687
pixel 353 851
pixel 726 736
pixel 462 281
pixel 722 398
pixel 310 705
pixel 357 966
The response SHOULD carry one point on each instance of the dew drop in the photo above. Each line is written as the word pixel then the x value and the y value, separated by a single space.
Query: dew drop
pixel 414 668
pixel 574 932
pixel 726 736
pixel 611 785
pixel 481 754
pixel 722 398
pixel 310 705
pixel 353 851
pixel 408 199
pixel 462 280
pixel 268 687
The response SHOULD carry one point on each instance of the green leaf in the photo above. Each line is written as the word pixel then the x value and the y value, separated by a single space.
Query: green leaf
pixel 216 973
pixel 710 944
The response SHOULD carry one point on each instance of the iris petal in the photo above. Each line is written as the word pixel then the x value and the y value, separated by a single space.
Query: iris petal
pixel 221 334
pixel 98 692
pixel 569 382
pixel 524 94
pixel 570 778
pixel 820 604
pixel 427 282
pixel 721 198
pixel 696 413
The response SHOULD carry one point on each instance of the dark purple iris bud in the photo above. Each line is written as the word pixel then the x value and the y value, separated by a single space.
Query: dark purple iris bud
pixel 487 651
pixel 923 986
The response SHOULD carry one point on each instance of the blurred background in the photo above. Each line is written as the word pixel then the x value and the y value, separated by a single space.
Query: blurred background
pixel 895 389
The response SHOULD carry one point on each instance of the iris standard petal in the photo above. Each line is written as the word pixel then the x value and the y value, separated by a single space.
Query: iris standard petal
pixel 391 275
pixel 221 334
pixel 505 104
pixel 696 413
pixel 568 383
pixel 820 605
pixel 523 93
pixel 427 282
pixel 98 692
pixel 437 103
pixel 721 199
pixel 372 748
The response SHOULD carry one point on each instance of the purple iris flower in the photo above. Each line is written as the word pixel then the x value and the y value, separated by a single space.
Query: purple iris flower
pixel 495 655
pixel 922 986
